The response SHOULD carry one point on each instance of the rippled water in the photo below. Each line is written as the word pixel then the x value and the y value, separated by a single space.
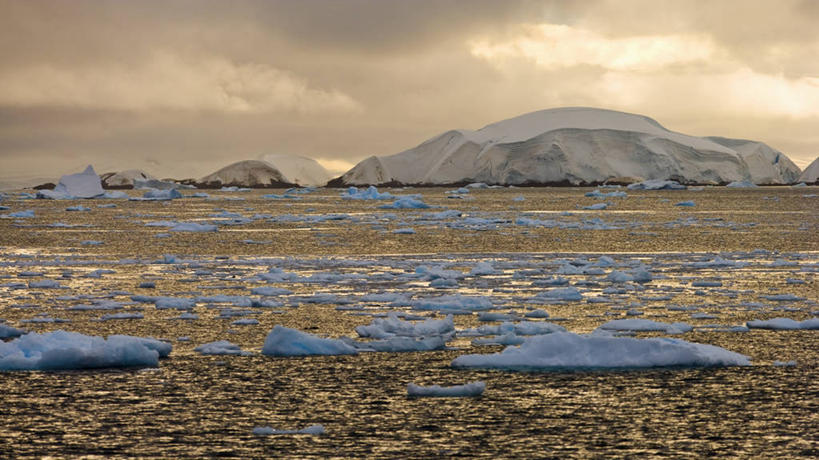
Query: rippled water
pixel 204 406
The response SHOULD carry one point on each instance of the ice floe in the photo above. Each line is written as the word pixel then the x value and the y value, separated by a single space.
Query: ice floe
pixel 283 341
pixel 571 351
pixel 784 324
pixel 456 391
pixel 71 350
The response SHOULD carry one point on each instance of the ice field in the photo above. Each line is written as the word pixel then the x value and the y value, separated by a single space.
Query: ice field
pixel 419 322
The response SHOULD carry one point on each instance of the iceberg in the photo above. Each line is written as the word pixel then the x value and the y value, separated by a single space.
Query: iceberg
pixel 811 174
pixel 573 145
pixel 456 391
pixel 86 184
pixel 61 350
pixel 283 341
pixel 566 350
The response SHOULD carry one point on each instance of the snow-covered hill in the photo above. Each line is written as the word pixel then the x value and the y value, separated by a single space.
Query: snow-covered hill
pixel 247 173
pixel 574 145
pixel 124 179
pixel 811 174
pixel 298 170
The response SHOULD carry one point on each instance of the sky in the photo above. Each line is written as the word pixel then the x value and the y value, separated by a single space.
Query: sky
pixel 180 88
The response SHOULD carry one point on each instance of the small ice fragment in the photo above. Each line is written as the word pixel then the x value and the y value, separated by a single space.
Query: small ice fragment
pixel 456 391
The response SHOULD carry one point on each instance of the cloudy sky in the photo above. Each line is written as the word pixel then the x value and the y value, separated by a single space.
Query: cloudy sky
pixel 182 87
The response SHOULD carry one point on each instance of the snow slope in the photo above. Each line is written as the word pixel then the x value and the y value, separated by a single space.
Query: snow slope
pixel 298 170
pixel 124 178
pixel 574 145
pixel 248 173
pixel 811 174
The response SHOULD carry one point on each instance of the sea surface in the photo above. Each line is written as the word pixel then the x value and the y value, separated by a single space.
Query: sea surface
pixel 721 259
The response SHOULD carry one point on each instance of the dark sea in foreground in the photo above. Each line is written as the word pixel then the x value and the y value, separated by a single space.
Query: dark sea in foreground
pixel 339 250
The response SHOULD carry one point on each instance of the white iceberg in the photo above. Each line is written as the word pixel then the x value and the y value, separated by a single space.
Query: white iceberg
pixel 70 350
pixel 574 145
pixel 86 184
pixel 456 391
pixel 283 341
pixel 571 351
pixel 811 174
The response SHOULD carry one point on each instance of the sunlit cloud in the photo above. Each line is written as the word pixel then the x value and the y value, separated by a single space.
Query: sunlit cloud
pixel 167 81
pixel 335 166
pixel 555 46
pixel 739 93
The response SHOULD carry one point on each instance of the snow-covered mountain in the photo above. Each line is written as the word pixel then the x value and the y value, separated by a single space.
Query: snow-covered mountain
pixel 574 145
pixel 124 179
pixel 298 170
pixel 247 173
pixel 811 174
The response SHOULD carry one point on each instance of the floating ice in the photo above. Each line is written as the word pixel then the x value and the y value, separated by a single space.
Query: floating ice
pixel 193 227
pixel 221 347
pixel 645 325
pixel 86 184
pixel 568 293
pixel 8 332
pixel 19 214
pixel 267 431
pixel 400 344
pixel 742 184
pixel 686 204
pixel 70 350
pixel 571 351
pixel 404 231
pixel 161 195
pixel 482 268
pixel 383 328
pixel 784 324
pixel 453 302
pixel 406 202
pixel 270 291
pixel 370 193
pixel 455 391
pixel 283 341
pixel 44 284
pixel 121 316
pixel 596 206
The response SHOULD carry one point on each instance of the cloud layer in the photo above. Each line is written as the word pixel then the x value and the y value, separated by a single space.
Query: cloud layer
pixel 183 87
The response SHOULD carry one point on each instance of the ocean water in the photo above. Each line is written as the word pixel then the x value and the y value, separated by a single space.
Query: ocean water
pixel 729 259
